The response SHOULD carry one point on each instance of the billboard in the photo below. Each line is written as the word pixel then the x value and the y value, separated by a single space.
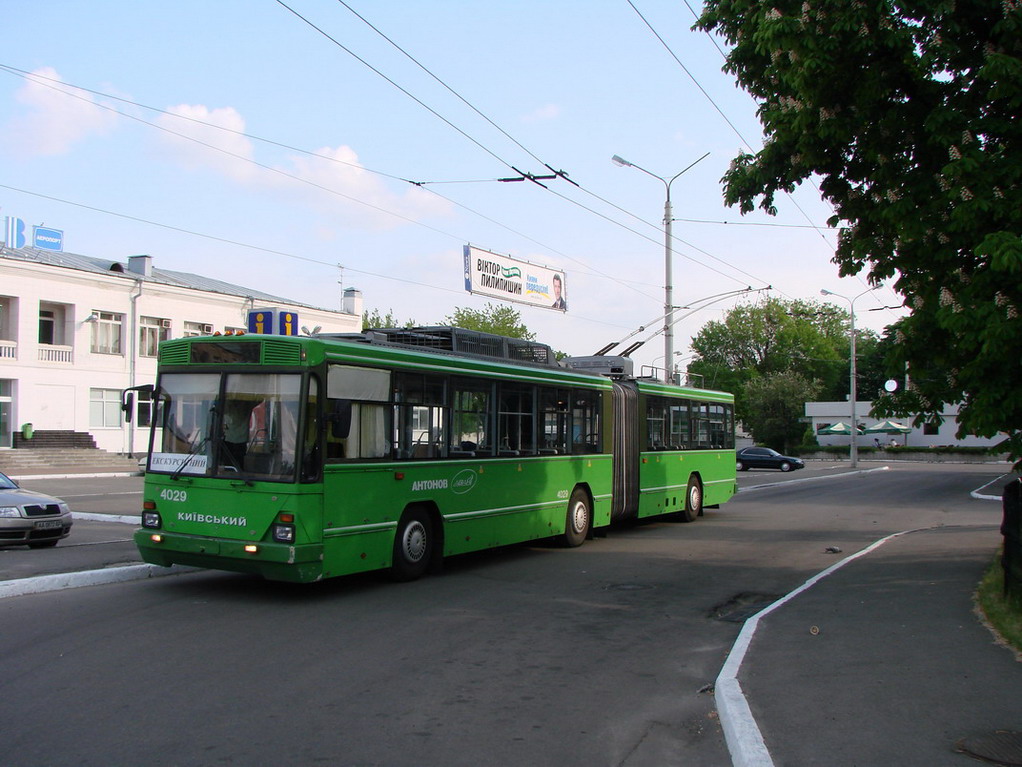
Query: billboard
pixel 509 279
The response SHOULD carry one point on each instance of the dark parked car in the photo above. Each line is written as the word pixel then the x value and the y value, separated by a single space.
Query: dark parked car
pixel 765 458
pixel 31 519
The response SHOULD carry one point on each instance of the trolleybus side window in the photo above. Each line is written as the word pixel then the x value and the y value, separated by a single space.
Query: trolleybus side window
pixel 516 420
pixel 419 415
pixel 358 404
pixel 701 425
pixel 555 414
pixel 585 426
pixel 656 424
pixel 471 429
pixel 680 425
pixel 722 432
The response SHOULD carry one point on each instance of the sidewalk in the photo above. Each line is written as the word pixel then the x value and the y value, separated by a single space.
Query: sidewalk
pixel 884 661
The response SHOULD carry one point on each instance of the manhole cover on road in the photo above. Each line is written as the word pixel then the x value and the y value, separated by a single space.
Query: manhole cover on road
pixel 741 607
pixel 1001 747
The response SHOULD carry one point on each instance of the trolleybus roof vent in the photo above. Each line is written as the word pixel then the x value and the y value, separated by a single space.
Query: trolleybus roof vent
pixel 613 367
pixel 451 340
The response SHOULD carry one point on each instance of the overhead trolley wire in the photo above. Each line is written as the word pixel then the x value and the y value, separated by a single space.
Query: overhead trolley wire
pixel 55 83
pixel 249 245
pixel 559 173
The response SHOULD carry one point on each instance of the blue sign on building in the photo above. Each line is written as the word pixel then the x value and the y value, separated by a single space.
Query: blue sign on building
pixel 47 239
pixel 273 321
pixel 15 237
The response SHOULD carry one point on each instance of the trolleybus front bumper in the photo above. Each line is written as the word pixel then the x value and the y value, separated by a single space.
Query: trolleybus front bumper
pixel 274 561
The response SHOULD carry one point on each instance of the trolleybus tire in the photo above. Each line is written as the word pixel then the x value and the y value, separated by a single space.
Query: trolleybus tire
pixel 579 519
pixel 693 500
pixel 413 546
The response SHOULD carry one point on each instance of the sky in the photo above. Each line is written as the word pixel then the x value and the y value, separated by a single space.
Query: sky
pixel 300 147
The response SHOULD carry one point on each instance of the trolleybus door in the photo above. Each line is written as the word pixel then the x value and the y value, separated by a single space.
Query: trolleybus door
pixel 626 451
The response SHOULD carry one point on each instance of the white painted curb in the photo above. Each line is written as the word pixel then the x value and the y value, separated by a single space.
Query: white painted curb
pixel 42 583
pixel 741 733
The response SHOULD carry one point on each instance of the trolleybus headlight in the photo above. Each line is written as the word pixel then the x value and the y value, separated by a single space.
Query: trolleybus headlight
pixel 151 519
pixel 283 533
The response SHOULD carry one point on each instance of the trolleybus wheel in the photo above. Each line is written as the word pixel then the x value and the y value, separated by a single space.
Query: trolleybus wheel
pixel 693 500
pixel 579 519
pixel 413 546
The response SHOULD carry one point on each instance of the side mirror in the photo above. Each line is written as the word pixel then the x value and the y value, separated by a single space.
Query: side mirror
pixel 128 399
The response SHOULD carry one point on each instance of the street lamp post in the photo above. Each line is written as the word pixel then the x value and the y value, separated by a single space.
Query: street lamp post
pixel 854 448
pixel 668 277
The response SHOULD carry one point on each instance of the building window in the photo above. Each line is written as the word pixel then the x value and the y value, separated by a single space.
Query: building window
pixel 931 429
pixel 47 325
pixel 152 330
pixel 193 329
pixel 146 409
pixel 107 332
pixel 51 324
pixel 104 408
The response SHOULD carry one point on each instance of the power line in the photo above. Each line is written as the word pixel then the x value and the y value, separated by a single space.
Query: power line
pixel 714 103
pixel 505 133
pixel 408 93
pixel 54 83
pixel 250 246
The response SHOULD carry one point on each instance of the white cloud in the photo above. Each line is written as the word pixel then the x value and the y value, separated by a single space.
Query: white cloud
pixel 197 144
pixel 57 117
pixel 330 179
pixel 336 181
pixel 543 114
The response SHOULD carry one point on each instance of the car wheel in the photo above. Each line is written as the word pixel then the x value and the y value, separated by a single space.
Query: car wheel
pixel 785 466
pixel 693 500
pixel 578 521
pixel 413 546
pixel 740 466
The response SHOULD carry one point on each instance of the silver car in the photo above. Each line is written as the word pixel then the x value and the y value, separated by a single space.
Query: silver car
pixel 31 519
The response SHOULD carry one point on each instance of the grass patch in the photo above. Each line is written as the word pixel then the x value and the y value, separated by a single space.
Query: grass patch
pixel 1004 614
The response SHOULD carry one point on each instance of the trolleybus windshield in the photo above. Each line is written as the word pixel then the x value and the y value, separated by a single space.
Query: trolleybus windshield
pixel 229 425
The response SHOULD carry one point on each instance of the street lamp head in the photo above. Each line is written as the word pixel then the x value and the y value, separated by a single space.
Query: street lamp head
pixel 620 161
pixel 825 292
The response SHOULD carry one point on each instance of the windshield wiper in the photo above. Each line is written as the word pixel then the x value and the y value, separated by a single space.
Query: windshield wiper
pixel 188 458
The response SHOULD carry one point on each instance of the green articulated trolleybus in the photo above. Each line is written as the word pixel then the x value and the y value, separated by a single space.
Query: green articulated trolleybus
pixel 303 458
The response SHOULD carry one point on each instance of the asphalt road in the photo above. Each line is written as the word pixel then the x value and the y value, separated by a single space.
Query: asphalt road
pixel 530 655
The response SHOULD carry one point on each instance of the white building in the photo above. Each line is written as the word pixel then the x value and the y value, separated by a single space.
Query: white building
pixel 75 331
pixel 824 414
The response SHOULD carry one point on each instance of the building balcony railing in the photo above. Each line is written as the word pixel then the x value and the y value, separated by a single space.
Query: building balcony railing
pixel 8 350
pixel 52 353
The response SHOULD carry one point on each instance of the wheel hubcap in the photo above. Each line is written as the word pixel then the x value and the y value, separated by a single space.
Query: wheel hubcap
pixel 579 517
pixel 414 541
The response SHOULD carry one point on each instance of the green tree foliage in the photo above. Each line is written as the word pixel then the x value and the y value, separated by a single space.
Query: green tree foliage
pixel 774 336
pixel 775 405
pixel 374 319
pixel 493 318
pixel 908 114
